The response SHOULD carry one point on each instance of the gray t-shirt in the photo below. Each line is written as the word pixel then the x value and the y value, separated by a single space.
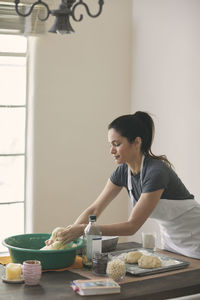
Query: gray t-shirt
pixel 156 175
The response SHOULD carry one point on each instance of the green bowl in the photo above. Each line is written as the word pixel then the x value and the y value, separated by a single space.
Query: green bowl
pixel 27 247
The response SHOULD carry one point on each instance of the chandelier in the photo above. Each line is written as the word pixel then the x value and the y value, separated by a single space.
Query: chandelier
pixel 65 11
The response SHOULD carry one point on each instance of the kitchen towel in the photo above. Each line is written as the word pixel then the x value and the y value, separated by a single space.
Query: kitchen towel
pixel 76 265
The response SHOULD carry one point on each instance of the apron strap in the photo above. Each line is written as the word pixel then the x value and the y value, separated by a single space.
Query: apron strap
pixel 130 187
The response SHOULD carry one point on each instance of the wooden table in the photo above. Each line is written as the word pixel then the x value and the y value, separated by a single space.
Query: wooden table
pixel 56 285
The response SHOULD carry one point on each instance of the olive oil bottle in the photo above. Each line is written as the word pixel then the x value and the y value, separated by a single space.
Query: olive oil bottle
pixel 92 242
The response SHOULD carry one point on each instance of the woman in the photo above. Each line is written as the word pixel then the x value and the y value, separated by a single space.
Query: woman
pixel 155 189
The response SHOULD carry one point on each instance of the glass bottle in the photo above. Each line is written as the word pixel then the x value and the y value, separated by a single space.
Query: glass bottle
pixel 92 242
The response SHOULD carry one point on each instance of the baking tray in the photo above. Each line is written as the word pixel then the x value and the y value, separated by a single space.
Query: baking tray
pixel 168 263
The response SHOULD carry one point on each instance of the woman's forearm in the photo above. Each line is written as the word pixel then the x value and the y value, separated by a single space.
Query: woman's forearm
pixel 121 229
pixel 84 217
pixel 138 216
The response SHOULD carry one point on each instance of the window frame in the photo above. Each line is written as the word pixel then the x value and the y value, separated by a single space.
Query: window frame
pixel 25 106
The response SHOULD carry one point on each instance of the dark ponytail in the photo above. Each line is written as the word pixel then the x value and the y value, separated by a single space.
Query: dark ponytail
pixel 140 124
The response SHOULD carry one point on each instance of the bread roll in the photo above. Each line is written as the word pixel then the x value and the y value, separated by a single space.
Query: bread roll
pixel 149 262
pixel 132 257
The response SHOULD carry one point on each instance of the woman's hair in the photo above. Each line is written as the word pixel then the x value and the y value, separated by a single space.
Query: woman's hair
pixel 139 124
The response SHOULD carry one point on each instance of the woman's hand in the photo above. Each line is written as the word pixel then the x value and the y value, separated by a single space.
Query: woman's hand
pixel 71 233
pixel 53 236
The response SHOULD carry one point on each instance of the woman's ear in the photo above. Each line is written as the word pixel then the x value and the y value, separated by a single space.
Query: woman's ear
pixel 138 141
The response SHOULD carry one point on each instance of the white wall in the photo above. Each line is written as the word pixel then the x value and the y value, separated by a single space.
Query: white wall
pixel 165 81
pixel 78 84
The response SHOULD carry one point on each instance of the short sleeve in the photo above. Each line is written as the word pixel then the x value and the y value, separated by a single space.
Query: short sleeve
pixel 119 176
pixel 154 180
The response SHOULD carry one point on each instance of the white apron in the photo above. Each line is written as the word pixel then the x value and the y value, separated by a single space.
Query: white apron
pixel 179 222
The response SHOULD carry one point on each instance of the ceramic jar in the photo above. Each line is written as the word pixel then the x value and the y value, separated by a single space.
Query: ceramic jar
pixel 32 271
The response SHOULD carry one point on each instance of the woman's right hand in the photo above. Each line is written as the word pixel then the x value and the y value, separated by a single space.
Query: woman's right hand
pixel 71 233
pixel 53 236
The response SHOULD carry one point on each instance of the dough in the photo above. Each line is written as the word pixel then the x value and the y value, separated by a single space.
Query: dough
pixel 58 245
pixel 149 262
pixel 132 257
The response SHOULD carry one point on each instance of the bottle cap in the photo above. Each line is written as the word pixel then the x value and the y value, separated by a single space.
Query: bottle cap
pixel 92 218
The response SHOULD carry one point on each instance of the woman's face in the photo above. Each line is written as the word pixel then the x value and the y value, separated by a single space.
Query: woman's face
pixel 121 149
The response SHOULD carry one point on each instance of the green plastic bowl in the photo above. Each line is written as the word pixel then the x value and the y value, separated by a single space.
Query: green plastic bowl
pixel 27 247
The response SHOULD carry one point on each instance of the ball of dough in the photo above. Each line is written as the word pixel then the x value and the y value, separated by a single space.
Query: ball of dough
pixel 132 257
pixel 55 232
pixel 149 262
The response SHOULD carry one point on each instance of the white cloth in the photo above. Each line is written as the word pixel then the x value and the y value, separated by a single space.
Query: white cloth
pixel 179 222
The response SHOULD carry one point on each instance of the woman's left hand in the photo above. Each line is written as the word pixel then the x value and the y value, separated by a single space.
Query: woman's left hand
pixel 71 233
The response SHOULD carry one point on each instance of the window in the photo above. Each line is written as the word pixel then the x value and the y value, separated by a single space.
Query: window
pixel 12 135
